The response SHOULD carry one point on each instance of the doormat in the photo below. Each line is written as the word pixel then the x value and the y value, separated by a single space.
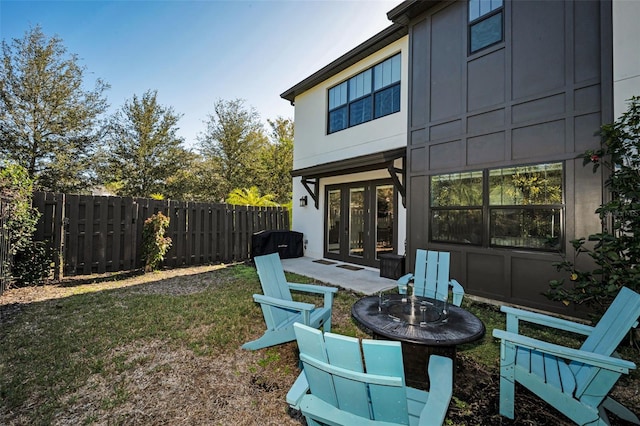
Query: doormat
pixel 349 267
pixel 324 262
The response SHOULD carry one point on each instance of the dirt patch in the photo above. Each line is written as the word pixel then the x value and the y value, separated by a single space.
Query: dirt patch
pixel 175 386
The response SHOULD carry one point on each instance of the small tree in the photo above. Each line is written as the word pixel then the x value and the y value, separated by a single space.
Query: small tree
pixel 31 260
pixel 49 123
pixel 154 244
pixel 616 250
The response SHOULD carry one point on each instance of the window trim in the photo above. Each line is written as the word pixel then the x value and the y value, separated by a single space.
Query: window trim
pixel 371 94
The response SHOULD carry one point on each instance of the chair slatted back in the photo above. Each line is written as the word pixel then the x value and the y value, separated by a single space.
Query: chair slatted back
pixel 431 277
pixel 620 317
pixel 274 284
pixel 335 372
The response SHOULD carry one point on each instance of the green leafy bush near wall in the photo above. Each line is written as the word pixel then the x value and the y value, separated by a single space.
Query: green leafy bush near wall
pixel 616 250
pixel 31 262
pixel 154 244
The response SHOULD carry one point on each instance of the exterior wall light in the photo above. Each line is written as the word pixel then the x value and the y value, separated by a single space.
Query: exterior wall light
pixel 303 201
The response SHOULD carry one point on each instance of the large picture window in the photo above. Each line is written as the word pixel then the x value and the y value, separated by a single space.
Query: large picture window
pixel 519 207
pixel 371 94
pixel 485 23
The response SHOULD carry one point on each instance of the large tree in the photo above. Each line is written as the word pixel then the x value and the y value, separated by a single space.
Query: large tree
pixel 49 123
pixel 232 143
pixel 143 150
pixel 277 161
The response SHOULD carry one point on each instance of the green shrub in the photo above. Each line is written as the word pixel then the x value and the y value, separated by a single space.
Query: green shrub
pixel 31 261
pixel 154 244
pixel 616 250
pixel 32 264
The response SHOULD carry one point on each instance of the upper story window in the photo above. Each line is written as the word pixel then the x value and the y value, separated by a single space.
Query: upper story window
pixel 518 206
pixel 485 23
pixel 371 94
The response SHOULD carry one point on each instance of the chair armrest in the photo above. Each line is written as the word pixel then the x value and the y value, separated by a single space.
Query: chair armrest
pixel 328 292
pixel 404 280
pixel 441 378
pixel 590 358
pixel 285 304
pixel 458 292
pixel 514 315
pixel 311 288
pixel 299 389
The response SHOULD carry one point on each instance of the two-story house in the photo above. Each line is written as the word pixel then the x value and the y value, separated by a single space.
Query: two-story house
pixel 457 128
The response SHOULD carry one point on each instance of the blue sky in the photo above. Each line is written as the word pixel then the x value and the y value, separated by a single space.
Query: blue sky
pixel 196 52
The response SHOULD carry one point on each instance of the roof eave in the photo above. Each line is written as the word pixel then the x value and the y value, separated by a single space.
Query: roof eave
pixel 383 38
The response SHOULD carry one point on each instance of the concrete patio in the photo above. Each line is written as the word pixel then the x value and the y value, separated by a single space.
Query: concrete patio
pixel 358 278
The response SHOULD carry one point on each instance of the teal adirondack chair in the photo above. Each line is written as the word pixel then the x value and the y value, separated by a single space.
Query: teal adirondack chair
pixel 574 381
pixel 431 277
pixel 280 310
pixel 334 389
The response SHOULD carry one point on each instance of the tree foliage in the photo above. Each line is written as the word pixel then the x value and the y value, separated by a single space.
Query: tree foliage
pixel 616 250
pixel 48 123
pixel 143 151
pixel 231 145
pixel 276 161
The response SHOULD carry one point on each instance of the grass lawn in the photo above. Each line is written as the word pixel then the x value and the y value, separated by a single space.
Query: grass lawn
pixel 164 348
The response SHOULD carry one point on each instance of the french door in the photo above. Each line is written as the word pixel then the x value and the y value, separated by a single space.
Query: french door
pixel 360 221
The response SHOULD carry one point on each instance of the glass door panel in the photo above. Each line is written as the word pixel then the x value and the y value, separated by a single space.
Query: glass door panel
pixel 356 221
pixel 385 218
pixel 333 220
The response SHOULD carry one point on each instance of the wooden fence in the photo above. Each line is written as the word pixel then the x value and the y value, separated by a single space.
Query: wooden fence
pixel 4 247
pixel 97 234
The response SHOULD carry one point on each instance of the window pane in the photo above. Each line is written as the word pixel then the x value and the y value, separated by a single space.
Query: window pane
pixel 528 228
pixel 387 72
pixel 360 111
pixel 485 7
pixel 338 119
pixel 529 185
pixel 338 95
pixel 395 69
pixel 387 101
pixel 474 10
pixel 457 226
pixel 457 189
pixel 486 32
pixel 360 85
pixel 356 222
pixel 333 221
pixel 384 219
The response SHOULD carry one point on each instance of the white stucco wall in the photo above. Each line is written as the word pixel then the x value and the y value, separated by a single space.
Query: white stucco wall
pixel 626 54
pixel 313 146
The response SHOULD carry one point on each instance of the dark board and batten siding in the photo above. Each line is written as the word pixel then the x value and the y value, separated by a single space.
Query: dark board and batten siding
pixel 98 234
pixel 539 96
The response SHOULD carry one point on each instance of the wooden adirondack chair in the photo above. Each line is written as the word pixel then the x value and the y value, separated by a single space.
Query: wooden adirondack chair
pixel 431 277
pixel 574 381
pixel 334 388
pixel 280 311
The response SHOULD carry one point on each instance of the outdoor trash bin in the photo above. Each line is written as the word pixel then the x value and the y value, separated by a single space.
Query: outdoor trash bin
pixel 391 266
